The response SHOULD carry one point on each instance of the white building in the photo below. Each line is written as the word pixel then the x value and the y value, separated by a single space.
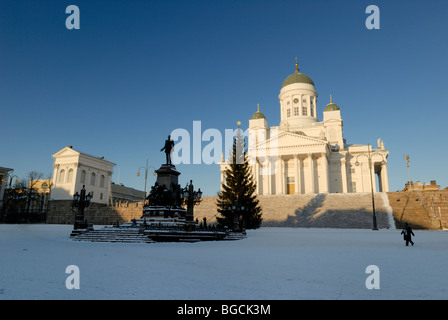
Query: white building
pixel 73 169
pixel 303 155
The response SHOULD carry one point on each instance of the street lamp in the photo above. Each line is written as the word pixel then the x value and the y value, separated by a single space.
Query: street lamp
pixel 236 209
pixel 191 198
pixel 369 156
pixel 146 176
pixel 81 201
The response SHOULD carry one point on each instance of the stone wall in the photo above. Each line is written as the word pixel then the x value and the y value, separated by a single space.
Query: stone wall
pixel 421 209
pixel 61 212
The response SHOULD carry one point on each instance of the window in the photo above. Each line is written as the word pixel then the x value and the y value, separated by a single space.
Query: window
pixel 304 110
pixel 62 176
pixel 288 113
pixel 296 111
pixel 353 186
pixel 70 176
pixel 102 181
pixel 83 176
pixel 92 179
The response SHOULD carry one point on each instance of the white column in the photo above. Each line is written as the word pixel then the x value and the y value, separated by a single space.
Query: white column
pixel 384 178
pixel 311 188
pixel 268 176
pixel 279 176
pixel 257 175
pixel 344 175
pixel 325 178
pixel 372 167
pixel 297 174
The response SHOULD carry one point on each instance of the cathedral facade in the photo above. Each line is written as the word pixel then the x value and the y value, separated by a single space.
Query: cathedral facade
pixel 303 155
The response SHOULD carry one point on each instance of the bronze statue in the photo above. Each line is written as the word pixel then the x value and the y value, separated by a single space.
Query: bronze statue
pixel 169 145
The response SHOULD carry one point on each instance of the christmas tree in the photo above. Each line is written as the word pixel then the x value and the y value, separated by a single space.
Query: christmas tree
pixel 237 202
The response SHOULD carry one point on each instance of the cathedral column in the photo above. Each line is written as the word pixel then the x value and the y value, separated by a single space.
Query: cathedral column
pixel 325 178
pixel 279 176
pixel 297 174
pixel 311 187
pixel 257 174
pixel 384 178
pixel 372 176
pixel 344 175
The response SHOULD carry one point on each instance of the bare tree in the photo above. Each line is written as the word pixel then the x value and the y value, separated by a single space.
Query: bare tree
pixel 33 178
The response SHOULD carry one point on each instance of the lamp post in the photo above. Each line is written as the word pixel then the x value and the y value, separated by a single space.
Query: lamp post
pixel 81 201
pixel 406 158
pixel 191 198
pixel 236 209
pixel 369 156
pixel 146 176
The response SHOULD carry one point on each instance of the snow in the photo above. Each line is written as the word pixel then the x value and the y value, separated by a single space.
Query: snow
pixel 270 264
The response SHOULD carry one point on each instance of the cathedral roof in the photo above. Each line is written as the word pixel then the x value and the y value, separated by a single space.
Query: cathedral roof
pixel 297 77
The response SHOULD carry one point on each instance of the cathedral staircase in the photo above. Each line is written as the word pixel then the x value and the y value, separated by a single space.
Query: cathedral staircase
pixel 109 234
pixel 329 211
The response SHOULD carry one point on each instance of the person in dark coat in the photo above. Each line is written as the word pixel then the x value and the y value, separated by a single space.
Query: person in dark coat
pixel 407 232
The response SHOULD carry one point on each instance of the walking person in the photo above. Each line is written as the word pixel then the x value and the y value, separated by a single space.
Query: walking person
pixel 407 232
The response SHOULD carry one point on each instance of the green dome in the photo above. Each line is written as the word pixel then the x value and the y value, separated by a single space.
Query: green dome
pixel 331 107
pixel 258 115
pixel 297 77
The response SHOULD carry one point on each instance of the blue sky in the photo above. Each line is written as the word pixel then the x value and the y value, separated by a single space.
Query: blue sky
pixel 136 70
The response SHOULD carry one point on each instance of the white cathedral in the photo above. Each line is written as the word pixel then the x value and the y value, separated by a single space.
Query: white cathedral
pixel 303 155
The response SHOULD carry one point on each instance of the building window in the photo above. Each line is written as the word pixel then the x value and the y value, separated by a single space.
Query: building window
pixel 102 181
pixel 83 176
pixel 92 179
pixel 312 108
pixel 70 176
pixel 101 196
pixel 304 110
pixel 288 113
pixel 296 111
pixel 353 186
pixel 62 176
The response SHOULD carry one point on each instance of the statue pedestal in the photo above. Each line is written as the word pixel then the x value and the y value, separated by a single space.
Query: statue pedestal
pixel 167 175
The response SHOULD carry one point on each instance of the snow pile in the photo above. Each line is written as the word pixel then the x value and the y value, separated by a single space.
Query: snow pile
pixel 271 263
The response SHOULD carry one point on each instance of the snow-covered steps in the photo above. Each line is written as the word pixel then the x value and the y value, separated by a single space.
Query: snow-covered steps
pixel 125 235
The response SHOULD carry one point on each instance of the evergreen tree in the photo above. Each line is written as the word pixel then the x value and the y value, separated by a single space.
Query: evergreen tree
pixel 239 189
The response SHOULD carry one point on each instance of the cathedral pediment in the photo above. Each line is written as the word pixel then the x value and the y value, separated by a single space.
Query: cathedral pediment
pixel 287 142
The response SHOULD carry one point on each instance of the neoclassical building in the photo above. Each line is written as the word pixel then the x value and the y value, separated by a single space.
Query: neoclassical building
pixel 74 169
pixel 303 155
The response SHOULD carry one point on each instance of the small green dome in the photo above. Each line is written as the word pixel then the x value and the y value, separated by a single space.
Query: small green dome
pixel 297 77
pixel 331 107
pixel 258 115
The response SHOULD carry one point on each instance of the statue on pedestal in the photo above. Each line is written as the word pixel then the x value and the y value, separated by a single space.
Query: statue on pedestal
pixel 169 145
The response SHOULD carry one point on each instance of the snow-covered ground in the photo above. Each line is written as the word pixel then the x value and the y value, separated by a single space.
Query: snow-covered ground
pixel 272 263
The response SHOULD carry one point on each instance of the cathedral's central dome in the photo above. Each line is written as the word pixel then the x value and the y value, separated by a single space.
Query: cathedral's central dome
pixel 297 77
